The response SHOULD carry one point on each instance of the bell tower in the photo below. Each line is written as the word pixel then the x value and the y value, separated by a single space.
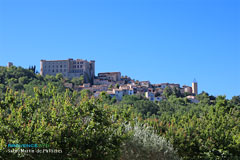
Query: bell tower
pixel 194 87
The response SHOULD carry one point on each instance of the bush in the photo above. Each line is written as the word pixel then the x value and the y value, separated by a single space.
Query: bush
pixel 144 144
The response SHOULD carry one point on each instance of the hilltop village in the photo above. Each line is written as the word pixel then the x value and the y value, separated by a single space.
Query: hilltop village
pixel 113 83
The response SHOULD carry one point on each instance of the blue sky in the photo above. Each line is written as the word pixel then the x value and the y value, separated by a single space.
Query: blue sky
pixel 158 40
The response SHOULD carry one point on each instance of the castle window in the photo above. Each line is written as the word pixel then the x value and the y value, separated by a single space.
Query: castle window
pixel 60 66
pixel 77 66
pixel 53 70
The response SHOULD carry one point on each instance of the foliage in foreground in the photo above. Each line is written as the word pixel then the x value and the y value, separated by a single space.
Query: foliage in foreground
pixel 208 130
pixel 205 132
pixel 81 129
pixel 144 144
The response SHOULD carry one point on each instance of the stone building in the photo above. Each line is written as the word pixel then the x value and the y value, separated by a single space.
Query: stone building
pixel 187 89
pixel 69 68
pixel 98 81
pixel 10 64
pixel 145 84
pixel 112 76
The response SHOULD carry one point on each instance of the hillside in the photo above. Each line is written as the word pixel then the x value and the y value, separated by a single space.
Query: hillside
pixel 41 110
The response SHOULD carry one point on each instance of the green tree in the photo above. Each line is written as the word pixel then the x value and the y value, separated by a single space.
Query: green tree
pixel 78 81
pixel 204 98
pixel 235 100
pixel 82 130
pixel 110 87
pixel 167 92
pixel 104 98
pixel 23 80
pixel 86 93
pixel 50 78
pixel 32 68
pixel 176 92
pixel 59 76
pixel 117 85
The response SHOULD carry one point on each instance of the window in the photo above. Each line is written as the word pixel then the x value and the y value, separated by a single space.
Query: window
pixel 53 70
pixel 60 66
pixel 57 66
pixel 77 66
pixel 80 66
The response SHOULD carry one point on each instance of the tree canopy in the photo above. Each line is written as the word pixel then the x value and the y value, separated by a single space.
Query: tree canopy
pixel 41 110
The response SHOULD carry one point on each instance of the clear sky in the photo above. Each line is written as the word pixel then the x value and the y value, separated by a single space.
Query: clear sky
pixel 158 40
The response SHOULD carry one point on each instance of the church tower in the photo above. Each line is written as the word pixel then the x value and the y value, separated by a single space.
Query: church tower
pixel 195 87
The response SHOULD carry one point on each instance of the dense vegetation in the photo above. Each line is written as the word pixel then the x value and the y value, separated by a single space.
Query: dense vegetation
pixel 36 109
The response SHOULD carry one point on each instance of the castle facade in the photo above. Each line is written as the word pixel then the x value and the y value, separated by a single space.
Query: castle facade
pixel 69 68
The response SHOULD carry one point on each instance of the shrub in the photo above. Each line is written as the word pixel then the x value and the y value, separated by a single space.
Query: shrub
pixel 144 144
